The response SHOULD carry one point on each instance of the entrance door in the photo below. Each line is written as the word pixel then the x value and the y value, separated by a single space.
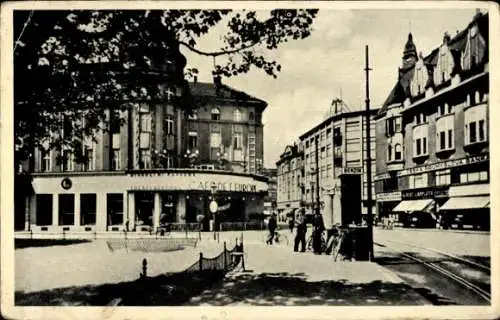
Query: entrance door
pixel 144 205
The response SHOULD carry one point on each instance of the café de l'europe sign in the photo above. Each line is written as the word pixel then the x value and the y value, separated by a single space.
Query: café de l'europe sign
pixel 213 182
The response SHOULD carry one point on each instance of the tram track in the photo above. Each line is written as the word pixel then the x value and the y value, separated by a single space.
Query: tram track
pixel 442 267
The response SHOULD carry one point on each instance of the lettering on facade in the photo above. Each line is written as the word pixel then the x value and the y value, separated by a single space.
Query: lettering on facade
pixel 424 193
pixel 166 174
pixel 389 196
pixel 444 165
pixel 227 186
pixel 356 170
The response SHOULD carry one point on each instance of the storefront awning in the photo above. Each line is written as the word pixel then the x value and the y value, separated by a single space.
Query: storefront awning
pixel 458 203
pixel 414 205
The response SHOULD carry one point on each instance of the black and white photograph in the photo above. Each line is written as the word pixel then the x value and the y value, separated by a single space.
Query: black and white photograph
pixel 249 154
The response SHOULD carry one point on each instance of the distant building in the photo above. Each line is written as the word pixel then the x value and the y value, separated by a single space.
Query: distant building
pixel 289 181
pixel 270 201
pixel 335 150
pixel 432 135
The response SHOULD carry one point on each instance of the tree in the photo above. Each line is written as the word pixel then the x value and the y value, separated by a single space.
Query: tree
pixel 70 65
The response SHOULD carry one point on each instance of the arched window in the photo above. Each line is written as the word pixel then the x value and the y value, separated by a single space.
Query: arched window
pixel 398 152
pixel 215 114
pixel 237 115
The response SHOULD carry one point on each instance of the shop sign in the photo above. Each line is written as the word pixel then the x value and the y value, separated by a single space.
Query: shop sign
pixel 424 193
pixel 382 176
pixel 389 196
pixel 444 165
pixel 227 186
pixel 353 170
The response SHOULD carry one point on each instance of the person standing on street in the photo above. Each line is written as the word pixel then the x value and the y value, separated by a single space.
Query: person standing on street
pixel 301 230
pixel 272 225
pixel 318 228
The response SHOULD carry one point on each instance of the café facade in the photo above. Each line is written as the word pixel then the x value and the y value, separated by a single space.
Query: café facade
pixel 140 201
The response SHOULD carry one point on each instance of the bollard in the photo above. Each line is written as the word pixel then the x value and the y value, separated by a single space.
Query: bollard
pixel 64 235
pixel 225 257
pixel 201 261
pixel 144 268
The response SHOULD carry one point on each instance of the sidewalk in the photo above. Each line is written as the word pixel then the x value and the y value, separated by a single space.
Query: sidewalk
pixel 275 275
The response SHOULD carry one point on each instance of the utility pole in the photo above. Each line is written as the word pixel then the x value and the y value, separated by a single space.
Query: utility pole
pixel 368 160
pixel 317 176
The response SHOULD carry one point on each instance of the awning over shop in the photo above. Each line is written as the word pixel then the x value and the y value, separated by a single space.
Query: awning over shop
pixel 414 205
pixel 458 203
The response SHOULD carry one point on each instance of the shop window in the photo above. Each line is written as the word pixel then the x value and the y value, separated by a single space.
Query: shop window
pixel 443 177
pixel 418 181
pixel 475 124
pixel 114 204
pixel 477 176
pixel 193 140
pixel 88 208
pixel 44 209
pixel 215 114
pixel 66 209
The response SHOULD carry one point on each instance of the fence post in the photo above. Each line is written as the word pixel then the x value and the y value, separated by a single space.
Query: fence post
pixel 201 261
pixel 225 256
pixel 144 268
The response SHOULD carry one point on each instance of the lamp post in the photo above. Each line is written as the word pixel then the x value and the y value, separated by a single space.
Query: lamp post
pixel 368 160
pixel 317 175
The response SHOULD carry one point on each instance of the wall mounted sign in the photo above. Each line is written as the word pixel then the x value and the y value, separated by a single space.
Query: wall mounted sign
pixel 424 193
pixel 388 196
pixel 444 165
pixel 66 183
pixel 355 170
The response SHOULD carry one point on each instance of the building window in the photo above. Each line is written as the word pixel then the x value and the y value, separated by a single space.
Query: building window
pixel 88 209
pixel 146 122
pixel 237 115
pixel 475 49
pixel 169 125
pixel 420 118
pixel 114 208
pixel 238 141
pixel 418 181
pixel 145 159
pixel 215 140
pixel 46 160
pixel 420 135
pixel 66 209
pixel 469 177
pixel 445 109
pixel 337 137
pixel 445 127
pixel 475 124
pixel 115 164
pixel 443 177
pixel 398 152
pixel 251 116
pixel 389 152
pixel 193 140
pixel 68 160
pixel 215 114
pixel 88 155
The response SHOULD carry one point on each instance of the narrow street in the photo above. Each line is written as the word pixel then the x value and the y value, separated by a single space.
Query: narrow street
pixel 447 268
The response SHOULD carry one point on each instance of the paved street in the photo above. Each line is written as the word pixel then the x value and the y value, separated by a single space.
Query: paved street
pixel 461 256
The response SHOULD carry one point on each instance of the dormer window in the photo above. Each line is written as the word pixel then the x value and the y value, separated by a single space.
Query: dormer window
pixel 444 66
pixel 445 109
pixel 475 49
pixel 215 114
pixel 420 118
pixel 419 79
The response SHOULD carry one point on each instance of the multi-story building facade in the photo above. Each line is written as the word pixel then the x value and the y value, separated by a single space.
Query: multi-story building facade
pixel 335 156
pixel 290 194
pixel 156 165
pixel 270 201
pixel 432 134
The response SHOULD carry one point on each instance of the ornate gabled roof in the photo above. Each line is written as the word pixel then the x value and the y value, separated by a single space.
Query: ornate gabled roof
pixel 222 91
pixel 456 45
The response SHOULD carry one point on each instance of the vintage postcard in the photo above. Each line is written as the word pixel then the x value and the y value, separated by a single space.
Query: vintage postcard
pixel 246 159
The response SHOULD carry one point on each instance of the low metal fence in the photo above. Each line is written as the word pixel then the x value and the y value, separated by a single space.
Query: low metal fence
pixel 151 245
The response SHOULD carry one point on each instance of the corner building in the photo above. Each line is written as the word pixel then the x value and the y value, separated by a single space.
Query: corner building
pixel 432 157
pixel 162 165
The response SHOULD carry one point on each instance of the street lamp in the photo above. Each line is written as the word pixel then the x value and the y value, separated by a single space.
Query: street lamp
pixel 161 156
pixel 191 156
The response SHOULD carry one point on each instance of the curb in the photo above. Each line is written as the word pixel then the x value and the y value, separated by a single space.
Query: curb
pixel 389 275
pixel 442 230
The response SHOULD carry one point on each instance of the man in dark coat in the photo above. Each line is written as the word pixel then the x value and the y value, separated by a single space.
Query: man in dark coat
pixel 301 230
pixel 272 225
pixel 318 228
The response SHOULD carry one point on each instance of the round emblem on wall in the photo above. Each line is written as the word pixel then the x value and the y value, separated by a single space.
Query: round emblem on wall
pixel 66 183
pixel 213 207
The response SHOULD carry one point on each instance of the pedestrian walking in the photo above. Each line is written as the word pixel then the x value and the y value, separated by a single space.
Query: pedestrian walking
pixel 301 230
pixel 318 228
pixel 272 225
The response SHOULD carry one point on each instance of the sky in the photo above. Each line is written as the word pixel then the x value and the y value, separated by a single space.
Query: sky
pixel 330 64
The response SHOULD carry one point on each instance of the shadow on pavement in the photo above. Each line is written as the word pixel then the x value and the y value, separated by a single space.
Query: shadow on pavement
pixel 26 243
pixel 280 289
pixel 163 290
